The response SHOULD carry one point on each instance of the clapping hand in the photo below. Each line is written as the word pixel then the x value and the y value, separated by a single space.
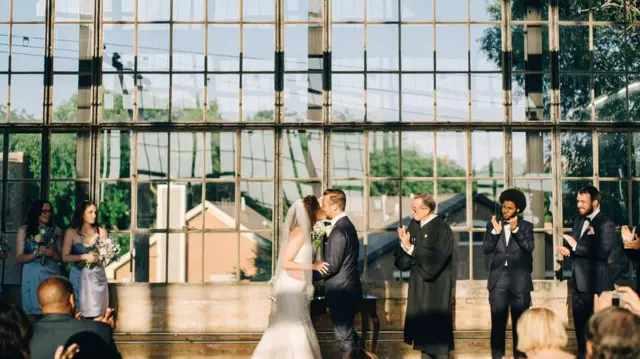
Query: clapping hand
pixel 513 224
pixel 405 237
pixel 71 351
pixel 563 250
pixel 107 318
pixel 496 226
pixel 630 238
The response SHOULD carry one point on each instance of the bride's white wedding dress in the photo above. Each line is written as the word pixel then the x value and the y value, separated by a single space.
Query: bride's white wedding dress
pixel 290 333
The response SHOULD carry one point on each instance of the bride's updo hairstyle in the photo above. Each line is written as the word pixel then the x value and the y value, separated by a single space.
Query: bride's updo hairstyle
pixel 312 205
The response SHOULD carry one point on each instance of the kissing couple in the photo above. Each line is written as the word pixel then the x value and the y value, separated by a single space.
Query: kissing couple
pixel 290 333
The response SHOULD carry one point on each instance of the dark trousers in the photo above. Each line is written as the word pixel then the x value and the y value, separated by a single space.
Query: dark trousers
pixel 342 316
pixel 582 310
pixel 501 297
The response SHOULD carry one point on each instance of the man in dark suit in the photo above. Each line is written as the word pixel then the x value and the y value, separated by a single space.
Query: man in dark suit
pixel 343 290
pixel 589 245
pixel 509 243
pixel 58 327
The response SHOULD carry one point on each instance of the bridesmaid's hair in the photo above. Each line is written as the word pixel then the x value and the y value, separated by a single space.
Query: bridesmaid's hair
pixel 78 216
pixel 35 210
pixel 15 332
pixel 312 205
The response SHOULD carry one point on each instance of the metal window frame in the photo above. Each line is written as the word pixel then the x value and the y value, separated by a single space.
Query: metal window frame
pixel 555 127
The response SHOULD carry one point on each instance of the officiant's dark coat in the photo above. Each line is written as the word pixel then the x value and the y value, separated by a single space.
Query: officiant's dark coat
pixel 428 323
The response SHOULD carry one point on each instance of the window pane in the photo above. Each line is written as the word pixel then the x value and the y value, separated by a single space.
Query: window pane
pixel 27 97
pixel 452 154
pixel 115 154
pixel 539 205
pixel 384 208
pixel 417 97
pixel 383 99
pixel 531 153
pixel 215 258
pixel 152 155
pixel 148 207
pixel 256 252
pixel 188 47
pixel 115 206
pixel 258 48
pixel 70 155
pixel 577 154
pixel 487 158
pixel 153 47
pixel 187 150
pixel 20 195
pixel 258 98
pixel 220 152
pixel 257 154
pixel 256 205
pixel 480 260
pixel 303 154
pixel 186 208
pixel 153 98
pixel 417 154
pixel 613 148
pixel 452 202
pixel 27 148
pixel 384 154
pixel 220 207
pixel 615 201
pixel 223 98
pixel 27 49
pixel 348 98
pixel 347 155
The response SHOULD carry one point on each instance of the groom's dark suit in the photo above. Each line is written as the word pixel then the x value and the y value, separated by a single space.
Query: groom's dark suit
pixel 342 285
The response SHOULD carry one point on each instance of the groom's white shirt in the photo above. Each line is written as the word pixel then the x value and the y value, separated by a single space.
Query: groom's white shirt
pixel 335 219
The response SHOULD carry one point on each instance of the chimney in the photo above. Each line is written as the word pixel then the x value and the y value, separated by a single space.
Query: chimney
pixel 177 271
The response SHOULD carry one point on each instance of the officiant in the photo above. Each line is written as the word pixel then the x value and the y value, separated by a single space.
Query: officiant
pixel 426 250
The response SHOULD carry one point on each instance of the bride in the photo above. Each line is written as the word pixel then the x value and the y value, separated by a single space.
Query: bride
pixel 290 333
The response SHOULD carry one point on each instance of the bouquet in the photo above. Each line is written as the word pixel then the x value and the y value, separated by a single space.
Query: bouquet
pixel 320 231
pixel 5 247
pixel 46 237
pixel 106 249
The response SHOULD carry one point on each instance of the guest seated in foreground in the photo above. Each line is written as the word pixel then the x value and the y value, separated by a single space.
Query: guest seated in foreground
pixel 542 335
pixel 59 327
pixel 15 332
pixel 613 333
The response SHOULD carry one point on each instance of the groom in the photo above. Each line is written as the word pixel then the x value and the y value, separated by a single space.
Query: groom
pixel 341 281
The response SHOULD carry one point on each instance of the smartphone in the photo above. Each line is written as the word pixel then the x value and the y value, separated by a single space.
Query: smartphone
pixel 616 301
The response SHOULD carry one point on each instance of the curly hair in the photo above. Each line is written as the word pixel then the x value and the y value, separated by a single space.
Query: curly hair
pixel 515 196
pixel 15 332
pixel 312 205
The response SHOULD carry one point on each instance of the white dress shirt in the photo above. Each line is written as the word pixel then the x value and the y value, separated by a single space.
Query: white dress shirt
pixel 409 250
pixel 586 225
pixel 507 235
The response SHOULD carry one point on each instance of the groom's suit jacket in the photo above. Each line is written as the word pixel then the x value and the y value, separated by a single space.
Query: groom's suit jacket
pixel 342 251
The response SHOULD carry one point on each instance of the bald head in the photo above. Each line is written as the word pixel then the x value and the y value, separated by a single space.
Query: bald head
pixel 55 295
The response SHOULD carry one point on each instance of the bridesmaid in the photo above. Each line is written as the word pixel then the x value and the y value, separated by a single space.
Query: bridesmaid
pixel 39 261
pixel 89 284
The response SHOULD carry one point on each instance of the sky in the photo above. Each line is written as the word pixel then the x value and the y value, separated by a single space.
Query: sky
pixel 224 44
